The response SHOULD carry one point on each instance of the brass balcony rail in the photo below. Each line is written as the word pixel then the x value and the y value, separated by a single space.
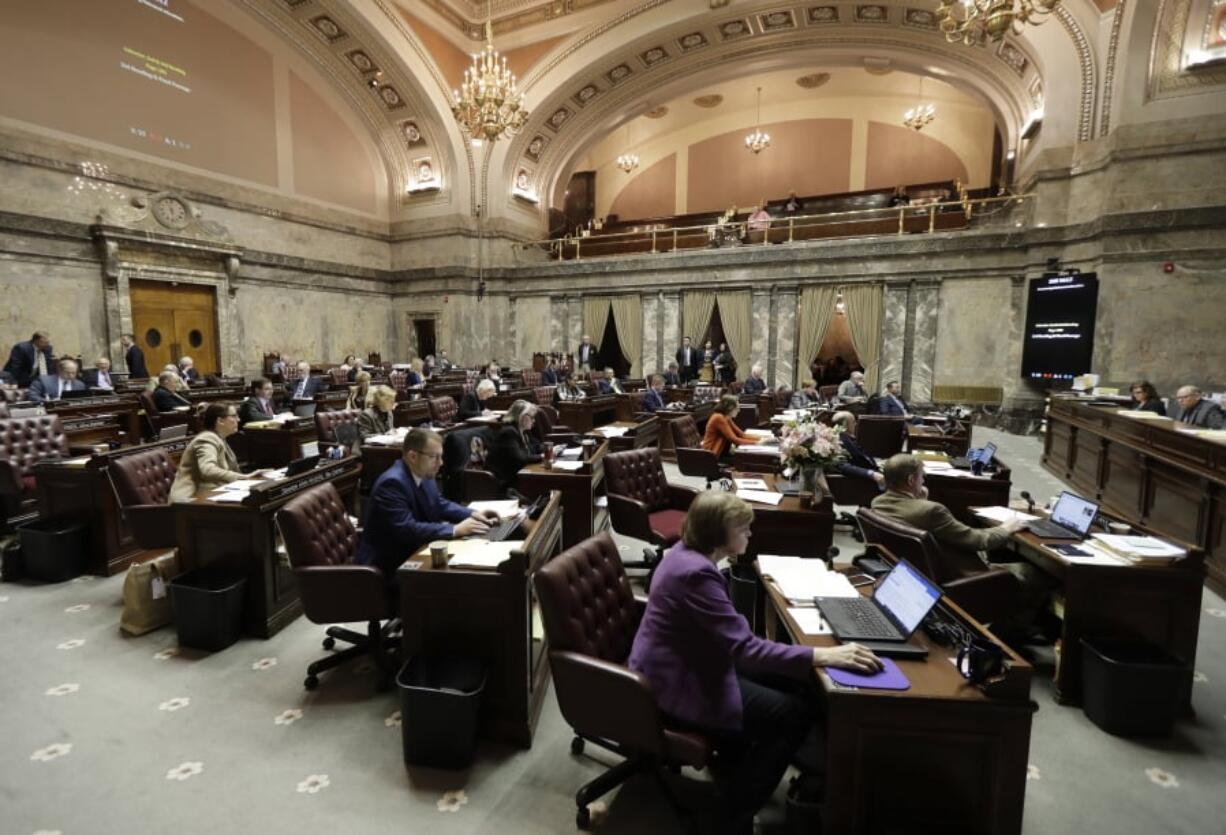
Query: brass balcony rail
pixel 892 220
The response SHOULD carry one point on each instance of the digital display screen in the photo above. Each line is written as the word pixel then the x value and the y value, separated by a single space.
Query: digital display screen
pixel 1060 313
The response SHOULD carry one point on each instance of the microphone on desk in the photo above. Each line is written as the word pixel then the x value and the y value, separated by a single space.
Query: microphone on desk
pixel 1029 501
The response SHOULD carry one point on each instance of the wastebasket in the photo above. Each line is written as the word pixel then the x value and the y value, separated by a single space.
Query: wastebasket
pixel 440 704
pixel 1130 688
pixel 208 607
pixel 53 550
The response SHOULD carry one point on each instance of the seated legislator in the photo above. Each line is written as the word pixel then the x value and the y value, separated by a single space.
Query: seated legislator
pixel 858 464
pixel 512 448
pixel 1195 410
pixel 406 511
pixel 722 433
pixel 568 390
pixel 1145 398
pixel 892 403
pixel 472 404
pixel 806 397
pixel 376 418
pixel 852 389
pixel 187 370
pixel 549 374
pixel 307 386
pixel 750 696
pixel 99 377
pixel 166 396
pixel 754 384
pixel 53 386
pixel 671 376
pixel 416 375
pixel 359 392
pixel 653 401
pixel 609 383
pixel 258 405
pixel 208 462
pixel 444 364
pixel 351 367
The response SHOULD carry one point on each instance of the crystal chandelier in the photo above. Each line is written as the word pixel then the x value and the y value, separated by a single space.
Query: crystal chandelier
pixel 488 105
pixel 758 140
pixel 990 18
pixel 628 162
pixel 918 117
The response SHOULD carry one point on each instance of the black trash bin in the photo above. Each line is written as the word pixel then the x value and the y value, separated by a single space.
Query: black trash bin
pixel 440 705
pixel 208 607
pixel 1131 688
pixel 54 550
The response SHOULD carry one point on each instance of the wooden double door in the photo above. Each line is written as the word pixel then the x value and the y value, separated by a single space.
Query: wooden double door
pixel 175 320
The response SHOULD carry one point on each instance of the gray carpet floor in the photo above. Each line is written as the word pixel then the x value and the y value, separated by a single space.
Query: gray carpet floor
pixel 104 733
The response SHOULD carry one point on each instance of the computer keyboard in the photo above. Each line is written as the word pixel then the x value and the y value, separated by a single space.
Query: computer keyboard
pixel 858 616
pixel 1050 530
pixel 504 528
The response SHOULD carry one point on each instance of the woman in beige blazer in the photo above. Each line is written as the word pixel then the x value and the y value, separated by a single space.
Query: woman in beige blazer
pixel 377 417
pixel 208 462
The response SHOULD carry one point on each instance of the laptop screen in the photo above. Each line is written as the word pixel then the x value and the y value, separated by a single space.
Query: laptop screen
pixel 1073 512
pixel 987 454
pixel 906 595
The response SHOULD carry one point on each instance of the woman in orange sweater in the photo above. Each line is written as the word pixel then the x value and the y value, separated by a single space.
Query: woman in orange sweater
pixel 722 433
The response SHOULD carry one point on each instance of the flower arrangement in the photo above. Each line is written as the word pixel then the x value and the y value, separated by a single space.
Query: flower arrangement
pixel 809 445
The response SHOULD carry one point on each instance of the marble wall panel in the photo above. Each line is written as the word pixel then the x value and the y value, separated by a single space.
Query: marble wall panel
pixel 972 348
pixel 557 323
pixel 926 306
pixel 532 328
pixel 64 299
pixel 786 322
pixel 574 324
pixel 651 334
pixel 671 335
pixel 894 333
pixel 478 329
pixel 759 343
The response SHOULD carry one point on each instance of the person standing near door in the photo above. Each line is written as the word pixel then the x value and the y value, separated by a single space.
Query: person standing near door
pixel 133 357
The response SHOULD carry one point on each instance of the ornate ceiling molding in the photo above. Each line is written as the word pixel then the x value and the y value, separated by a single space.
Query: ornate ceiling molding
pixel 1167 76
pixel 1109 72
pixel 1085 59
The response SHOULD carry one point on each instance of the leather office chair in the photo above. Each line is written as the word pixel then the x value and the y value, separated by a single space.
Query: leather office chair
pixel 443 409
pixel 460 478
pixel 4 410
pixel 23 443
pixel 157 421
pixel 692 459
pixel 326 423
pixel 321 544
pixel 827 393
pixel 531 379
pixel 590 618
pixel 339 377
pixel 783 398
pixel 543 395
pixel 642 503
pixel 142 485
pixel 547 428
pixel 880 435
pixel 989 595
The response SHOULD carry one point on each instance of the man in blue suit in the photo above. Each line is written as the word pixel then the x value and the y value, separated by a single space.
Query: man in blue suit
pixel 858 464
pixel 31 359
pixel 406 510
pixel 653 401
pixel 306 386
pixel 53 386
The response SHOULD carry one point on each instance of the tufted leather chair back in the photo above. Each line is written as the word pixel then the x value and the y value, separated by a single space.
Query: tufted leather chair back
pixel 685 433
pixel 827 393
pixel 639 474
pixel 146 402
pixel 316 530
pixel 398 379
pixel 326 423
pixel 543 395
pixel 586 603
pixel 443 409
pixel 881 435
pixel 339 376
pixel 26 441
pixel 916 546
pixel 143 478
pixel 531 379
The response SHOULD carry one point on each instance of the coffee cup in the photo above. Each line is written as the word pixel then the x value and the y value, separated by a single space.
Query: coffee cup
pixel 1120 528
pixel 438 554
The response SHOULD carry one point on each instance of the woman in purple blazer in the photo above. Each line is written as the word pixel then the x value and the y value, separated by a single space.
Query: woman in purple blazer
pixel 706 667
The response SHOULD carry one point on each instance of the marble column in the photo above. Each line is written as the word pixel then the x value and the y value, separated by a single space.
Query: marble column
pixel 651 334
pixel 670 335
pixel 894 334
pixel 785 321
pixel 759 341
pixel 574 324
pixel 510 338
pixel 926 306
pixel 557 323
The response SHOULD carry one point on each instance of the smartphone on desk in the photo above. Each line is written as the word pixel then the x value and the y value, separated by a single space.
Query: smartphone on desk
pixel 859 580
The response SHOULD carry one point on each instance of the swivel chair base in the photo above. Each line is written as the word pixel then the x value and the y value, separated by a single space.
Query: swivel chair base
pixel 619 774
pixel 374 643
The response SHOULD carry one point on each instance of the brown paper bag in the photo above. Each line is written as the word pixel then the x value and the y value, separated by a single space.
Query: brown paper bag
pixel 146 594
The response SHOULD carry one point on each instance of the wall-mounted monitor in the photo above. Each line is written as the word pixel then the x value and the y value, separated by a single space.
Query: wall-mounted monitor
pixel 1060 313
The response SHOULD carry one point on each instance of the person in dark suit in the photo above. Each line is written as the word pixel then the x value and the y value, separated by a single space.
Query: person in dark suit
pixel 585 357
pixel 258 405
pixel 99 377
pixel 688 358
pixel 858 464
pixel 512 448
pixel 671 377
pixel 133 357
pixel 406 510
pixel 725 364
pixel 443 363
pixel 653 401
pixel 549 374
pixel 472 403
pixel 31 359
pixel 754 384
pixel 708 671
pixel 1145 398
pixel 53 386
pixel 166 396
pixel 1193 409
pixel 307 386
pixel 352 367
pixel 187 370
pixel 891 403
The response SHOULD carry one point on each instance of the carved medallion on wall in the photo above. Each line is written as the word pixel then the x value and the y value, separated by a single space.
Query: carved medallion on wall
pixel 327 27
pixel 391 98
pixel 1012 56
pixel 586 94
pixel 776 21
pixel 654 56
pixel 412 134
pixel 871 14
pixel 692 41
pixel 709 101
pixel 730 30
pixel 919 19
pixel 533 151
pixel 813 80
pixel 558 118
pixel 361 61
pixel 619 73
pixel 657 112
pixel 822 14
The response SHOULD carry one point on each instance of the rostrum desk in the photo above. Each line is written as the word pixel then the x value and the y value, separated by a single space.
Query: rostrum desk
pixel 243 536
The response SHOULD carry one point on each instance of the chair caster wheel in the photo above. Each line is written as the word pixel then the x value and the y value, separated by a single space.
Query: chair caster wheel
pixel 583 818
pixel 576 746
pixel 311 682
pixel 329 642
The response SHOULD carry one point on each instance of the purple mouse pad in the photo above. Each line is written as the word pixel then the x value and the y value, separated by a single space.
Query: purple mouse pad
pixel 890 677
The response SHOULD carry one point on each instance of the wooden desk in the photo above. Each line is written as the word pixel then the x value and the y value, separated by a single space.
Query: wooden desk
pixel 411 412
pixel 788 528
pixel 928 437
pixel 125 407
pixel 491 615
pixel 1156 604
pixel 628 406
pixel 503 399
pixel 940 757
pixel 960 493
pixel 758 458
pixel 699 412
pixel 82 490
pixel 639 434
pixel 580 516
pixel 244 537
pixel 277 444
pixel 1145 472
pixel 586 414
pixel 93 430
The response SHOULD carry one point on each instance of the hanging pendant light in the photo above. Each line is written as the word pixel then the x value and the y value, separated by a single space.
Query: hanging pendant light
pixel 920 116
pixel 759 140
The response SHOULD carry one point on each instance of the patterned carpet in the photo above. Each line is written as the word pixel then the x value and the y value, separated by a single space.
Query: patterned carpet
pixel 109 734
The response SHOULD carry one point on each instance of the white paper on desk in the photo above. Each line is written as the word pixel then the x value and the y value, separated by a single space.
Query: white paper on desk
pixel 1146 547
pixel 930 466
pixel 612 431
pixel 810 621
pixel 505 508
pixel 243 484
pixel 760 496
pixel 759 449
pixel 760 433
pixel 389 439
pixel 569 466
pixel 571 452
pixel 479 553
pixel 1002 514
pixel 801 580
pixel 229 496
pixel 601 501
pixel 751 484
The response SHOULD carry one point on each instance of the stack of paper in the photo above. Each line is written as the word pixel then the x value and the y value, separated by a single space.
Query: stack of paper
pixel 1002 514
pixel 760 433
pixel 1140 549
pixel 243 485
pixel 760 496
pixel 750 484
pixel 479 553
pixel 505 508
pixel 810 621
pixel 612 431
pixel 571 452
pixel 569 466
pixel 801 580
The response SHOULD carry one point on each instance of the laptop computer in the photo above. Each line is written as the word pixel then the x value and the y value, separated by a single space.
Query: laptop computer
pixel 982 455
pixel 1070 518
pixel 889 618
pixel 178 430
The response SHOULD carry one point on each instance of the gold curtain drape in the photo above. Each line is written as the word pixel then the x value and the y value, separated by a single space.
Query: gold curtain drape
pixel 816 308
pixel 595 316
pixel 696 307
pixel 734 313
pixel 865 304
pixel 628 319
